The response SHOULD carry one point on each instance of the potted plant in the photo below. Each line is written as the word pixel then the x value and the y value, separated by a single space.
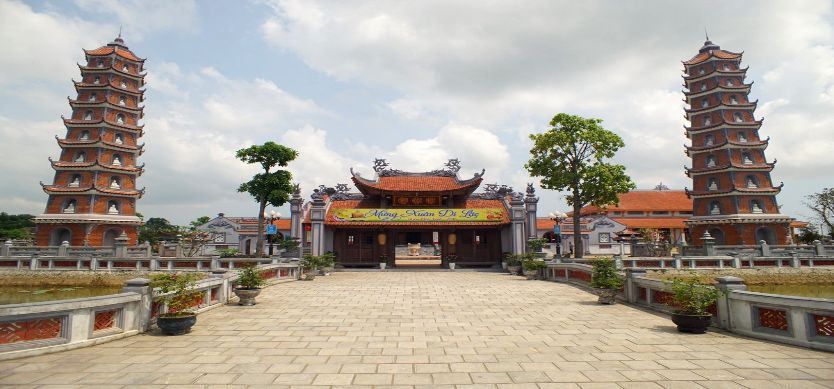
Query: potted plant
pixel 693 301
pixel 176 291
pixel 532 267
pixel 289 246
pixel 451 259
pixel 327 262
pixel 536 245
pixel 504 261
pixel 606 280
pixel 249 283
pixel 383 261
pixel 514 263
pixel 310 264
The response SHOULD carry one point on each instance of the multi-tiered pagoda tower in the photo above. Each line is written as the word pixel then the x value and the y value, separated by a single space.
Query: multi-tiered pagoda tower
pixel 92 199
pixel 734 199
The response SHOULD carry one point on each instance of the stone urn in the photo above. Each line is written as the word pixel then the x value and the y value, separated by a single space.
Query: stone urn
pixel 514 269
pixel 531 274
pixel 247 295
pixel 606 295
pixel 693 324
pixel 504 265
pixel 310 274
pixel 176 325
pixel 451 266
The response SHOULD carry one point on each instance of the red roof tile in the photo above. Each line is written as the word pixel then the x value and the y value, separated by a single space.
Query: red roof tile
pixel 701 57
pixel 106 50
pixel 418 183
pixel 647 201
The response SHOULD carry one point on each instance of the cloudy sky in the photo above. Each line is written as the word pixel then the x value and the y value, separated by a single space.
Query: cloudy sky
pixel 416 82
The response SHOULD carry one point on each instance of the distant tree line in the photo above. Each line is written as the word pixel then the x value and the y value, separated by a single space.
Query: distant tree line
pixel 16 226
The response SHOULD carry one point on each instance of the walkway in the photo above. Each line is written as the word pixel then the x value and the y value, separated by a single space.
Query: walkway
pixel 449 330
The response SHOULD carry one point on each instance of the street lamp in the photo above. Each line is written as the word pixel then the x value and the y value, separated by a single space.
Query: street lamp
pixel 271 229
pixel 557 217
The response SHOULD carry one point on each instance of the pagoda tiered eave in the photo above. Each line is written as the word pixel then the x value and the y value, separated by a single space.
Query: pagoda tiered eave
pixel 76 123
pixel 690 78
pixel 76 218
pixel 106 51
pixel 731 168
pixel 722 106
pixel 111 68
pixel 740 218
pixel 712 55
pixel 97 142
pixel 79 85
pixel 104 104
pixel 59 190
pixel 734 192
pixel 761 145
pixel 723 123
pixel 95 166
pixel 719 88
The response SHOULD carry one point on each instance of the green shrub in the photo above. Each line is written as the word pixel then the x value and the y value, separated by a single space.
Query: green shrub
pixel 692 297
pixel 514 259
pixel 533 264
pixel 536 244
pixel 228 253
pixel 177 292
pixel 311 262
pixel 250 277
pixel 605 274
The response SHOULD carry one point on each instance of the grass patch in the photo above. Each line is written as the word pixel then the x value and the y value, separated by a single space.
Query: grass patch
pixel 767 276
pixel 71 278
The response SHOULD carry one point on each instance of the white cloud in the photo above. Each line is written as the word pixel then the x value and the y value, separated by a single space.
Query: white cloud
pixel 141 18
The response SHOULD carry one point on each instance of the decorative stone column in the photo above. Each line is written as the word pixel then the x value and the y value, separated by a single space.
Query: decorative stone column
pixel 709 244
pixel 317 214
pixel 142 316
pixel 517 218
pixel 726 285
pixel 296 204
pixel 632 291
pixel 120 246
pixel 530 206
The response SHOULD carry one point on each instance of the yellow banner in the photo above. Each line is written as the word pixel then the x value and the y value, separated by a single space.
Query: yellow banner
pixel 438 215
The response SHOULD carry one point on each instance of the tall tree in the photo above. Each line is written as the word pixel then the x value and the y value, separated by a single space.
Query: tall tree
pixel 156 229
pixel 269 187
pixel 16 226
pixel 569 157
pixel 199 222
pixel 822 204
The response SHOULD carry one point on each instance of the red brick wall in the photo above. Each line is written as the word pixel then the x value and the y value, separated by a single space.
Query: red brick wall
pixel 737 234
pixel 43 233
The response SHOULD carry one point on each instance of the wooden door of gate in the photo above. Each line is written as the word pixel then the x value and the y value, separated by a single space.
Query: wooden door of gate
pixel 356 247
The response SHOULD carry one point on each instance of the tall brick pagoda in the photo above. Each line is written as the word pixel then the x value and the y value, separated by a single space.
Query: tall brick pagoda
pixel 734 198
pixel 92 199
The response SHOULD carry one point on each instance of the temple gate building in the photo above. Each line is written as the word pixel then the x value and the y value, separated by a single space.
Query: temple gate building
pixel 416 218
pixel 734 199
pixel 92 198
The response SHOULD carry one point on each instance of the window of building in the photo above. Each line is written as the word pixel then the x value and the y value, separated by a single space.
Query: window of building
pixel 704 86
pixel 713 184
pixel 80 156
pixel 729 82
pixel 660 212
pixel 733 100
pixel 751 182
pixel 635 213
pixel 123 84
pixel 118 139
pixel 710 161
pixel 85 135
pixel 69 206
pixel 707 121
pixel 112 207
pixel 684 212
pixel 701 71
pixel 120 119
pixel 756 206
pixel 742 138
pixel 124 68
pixel 115 183
pixel 604 237
pixel 350 239
pixel 122 100
pixel 726 67
pixel 709 140
pixel 738 117
pixel 75 182
pixel 92 97
pixel 100 63
pixel 97 80
pixel 117 160
pixel 88 115
pixel 714 208
pixel 704 103
pixel 746 159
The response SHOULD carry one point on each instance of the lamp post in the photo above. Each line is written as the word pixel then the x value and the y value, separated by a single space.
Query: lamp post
pixel 557 217
pixel 271 229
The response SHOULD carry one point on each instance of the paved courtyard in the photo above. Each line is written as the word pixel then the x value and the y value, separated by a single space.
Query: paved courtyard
pixel 432 329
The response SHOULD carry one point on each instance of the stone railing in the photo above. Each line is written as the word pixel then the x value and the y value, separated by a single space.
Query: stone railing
pixel 39 328
pixel 36 262
pixel 714 262
pixel 801 321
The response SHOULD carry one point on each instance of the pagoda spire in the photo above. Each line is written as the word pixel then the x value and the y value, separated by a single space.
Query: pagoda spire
pixel 92 197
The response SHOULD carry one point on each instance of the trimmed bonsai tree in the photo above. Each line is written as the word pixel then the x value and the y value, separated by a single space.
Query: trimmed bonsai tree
pixel 606 280
pixel 532 266
pixel 693 300
pixel 178 294
pixel 249 283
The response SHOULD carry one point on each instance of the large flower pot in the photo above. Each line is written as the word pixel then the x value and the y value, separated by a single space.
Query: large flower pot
pixel 514 269
pixel 693 324
pixel 504 265
pixel 310 274
pixel 176 325
pixel 382 265
pixel 607 295
pixel 531 274
pixel 451 266
pixel 247 296
pixel 325 271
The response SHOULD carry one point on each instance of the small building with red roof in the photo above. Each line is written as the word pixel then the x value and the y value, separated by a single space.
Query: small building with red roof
pixel 400 217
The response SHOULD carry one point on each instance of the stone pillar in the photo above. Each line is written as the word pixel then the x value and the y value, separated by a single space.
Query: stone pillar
pixel 819 249
pixel 317 214
pixel 795 262
pixel 215 263
pixel 34 262
pixel 296 205
pixel 764 249
pixel 519 241
pixel 632 291
pixel 709 244
pixel 120 246
pixel 148 249
pixel 63 249
pixel 726 285
pixel 530 207
pixel 6 250
pixel 141 317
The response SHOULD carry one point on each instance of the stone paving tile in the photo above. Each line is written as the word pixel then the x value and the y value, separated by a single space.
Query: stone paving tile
pixel 462 330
